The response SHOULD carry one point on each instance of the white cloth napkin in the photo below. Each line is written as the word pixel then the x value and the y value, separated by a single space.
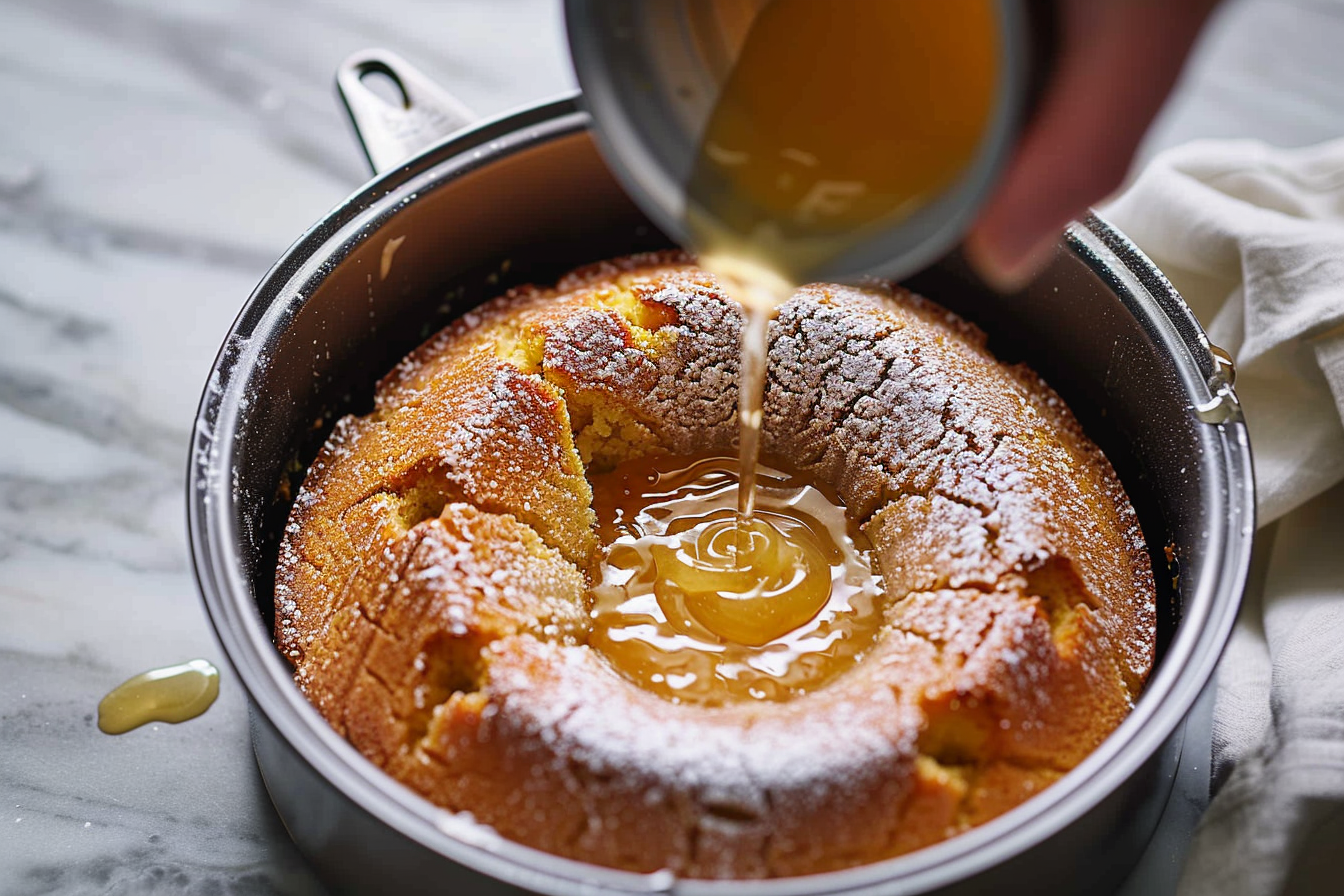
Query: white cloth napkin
pixel 1253 238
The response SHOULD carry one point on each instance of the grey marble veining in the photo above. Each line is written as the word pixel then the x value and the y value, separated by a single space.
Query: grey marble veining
pixel 155 157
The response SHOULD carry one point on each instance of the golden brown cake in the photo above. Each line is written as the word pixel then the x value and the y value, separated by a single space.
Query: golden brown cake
pixel 432 584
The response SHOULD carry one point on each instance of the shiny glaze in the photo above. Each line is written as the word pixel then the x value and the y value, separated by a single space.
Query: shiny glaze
pixel 696 607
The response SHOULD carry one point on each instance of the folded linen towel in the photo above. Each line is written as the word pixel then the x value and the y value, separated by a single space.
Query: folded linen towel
pixel 1253 238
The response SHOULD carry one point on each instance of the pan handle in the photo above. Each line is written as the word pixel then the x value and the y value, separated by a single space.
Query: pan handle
pixel 392 133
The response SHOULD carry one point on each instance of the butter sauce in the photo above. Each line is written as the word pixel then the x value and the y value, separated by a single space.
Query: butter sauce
pixel 839 119
pixel 169 694
pixel 697 607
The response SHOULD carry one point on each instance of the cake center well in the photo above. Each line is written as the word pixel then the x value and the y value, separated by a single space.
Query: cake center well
pixel 698 606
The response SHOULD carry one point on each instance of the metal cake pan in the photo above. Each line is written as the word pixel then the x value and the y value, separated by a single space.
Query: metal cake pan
pixel 525 197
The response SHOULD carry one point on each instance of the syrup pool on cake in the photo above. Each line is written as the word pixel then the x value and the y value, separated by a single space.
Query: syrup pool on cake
pixel 682 610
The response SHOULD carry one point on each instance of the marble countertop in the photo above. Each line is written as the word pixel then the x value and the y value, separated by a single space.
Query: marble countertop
pixel 156 156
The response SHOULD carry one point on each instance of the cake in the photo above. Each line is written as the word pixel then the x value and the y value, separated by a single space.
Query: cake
pixel 432 586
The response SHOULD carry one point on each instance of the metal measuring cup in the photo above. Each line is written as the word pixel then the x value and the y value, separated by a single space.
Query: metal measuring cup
pixel 651 72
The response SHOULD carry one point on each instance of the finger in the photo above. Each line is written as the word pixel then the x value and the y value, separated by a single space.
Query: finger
pixel 1119 61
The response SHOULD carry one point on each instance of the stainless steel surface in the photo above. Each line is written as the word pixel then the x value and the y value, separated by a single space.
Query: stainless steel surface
pixel 1101 324
pixel 650 88
pixel 393 129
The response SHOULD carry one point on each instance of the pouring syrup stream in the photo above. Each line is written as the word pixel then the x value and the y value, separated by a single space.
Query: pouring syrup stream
pixel 819 135
pixel 837 118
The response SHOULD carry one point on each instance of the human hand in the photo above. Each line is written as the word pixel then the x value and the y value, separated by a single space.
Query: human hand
pixel 1118 60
